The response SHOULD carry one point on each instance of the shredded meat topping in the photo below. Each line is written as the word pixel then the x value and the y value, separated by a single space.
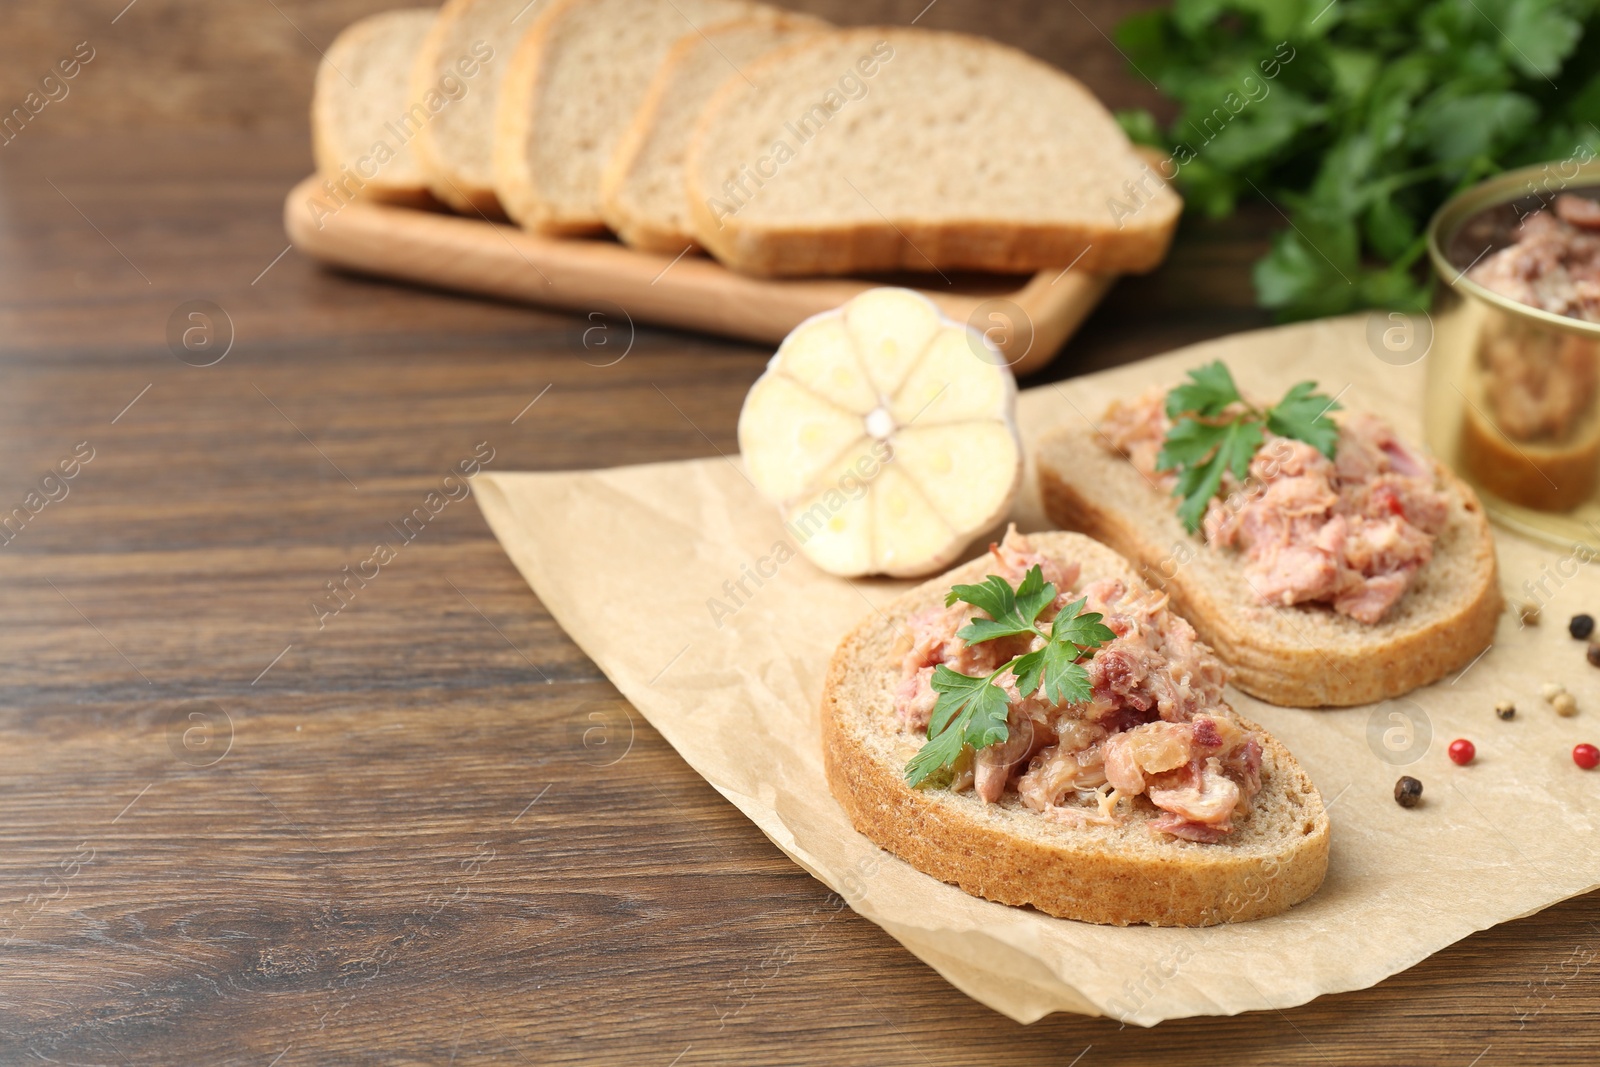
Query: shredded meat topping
pixel 1155 725
pixel 1554 263
pixel 1350 532
pixel 1538 383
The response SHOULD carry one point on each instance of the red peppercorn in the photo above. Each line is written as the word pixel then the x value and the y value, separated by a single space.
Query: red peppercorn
pixel 1462 751
pixel 1586 756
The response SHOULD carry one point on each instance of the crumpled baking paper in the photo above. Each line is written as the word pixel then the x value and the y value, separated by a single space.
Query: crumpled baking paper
pixel 682 585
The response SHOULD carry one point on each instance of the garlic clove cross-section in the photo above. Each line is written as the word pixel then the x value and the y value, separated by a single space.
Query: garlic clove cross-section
pixel 886 435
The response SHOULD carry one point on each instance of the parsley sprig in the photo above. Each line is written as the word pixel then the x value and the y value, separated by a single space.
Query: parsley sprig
pixel 1357 119
pixel 971 710
pixel 1215 430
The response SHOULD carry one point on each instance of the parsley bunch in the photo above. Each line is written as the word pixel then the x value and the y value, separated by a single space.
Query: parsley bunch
pixel 1208 439
pixel 971 710
pixel 1358 118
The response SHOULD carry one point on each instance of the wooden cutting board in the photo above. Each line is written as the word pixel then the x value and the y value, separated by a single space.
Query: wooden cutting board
pixel 1028 317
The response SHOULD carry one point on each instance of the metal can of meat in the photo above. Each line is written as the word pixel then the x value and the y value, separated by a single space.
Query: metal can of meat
pixel 1513 401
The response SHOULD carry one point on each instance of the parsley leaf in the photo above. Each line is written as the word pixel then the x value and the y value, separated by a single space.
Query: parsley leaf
pixel 1206 452
pixel 977 702
pixel 1210 389
pixel 1057 670
pixel 972 710
pixel 1009 612
pixel 1300 415
pixel 1208 440
pixel 1082 628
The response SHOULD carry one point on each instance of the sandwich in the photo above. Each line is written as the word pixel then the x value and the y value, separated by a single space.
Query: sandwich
pixel 1040 728
pixel 1326 560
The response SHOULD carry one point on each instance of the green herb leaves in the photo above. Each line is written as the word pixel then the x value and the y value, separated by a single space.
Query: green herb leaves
pixel 971 710
pixel 1214 430
pixel 1009 612
pixel 1201 452
pixel 1358 119
pixel 1209 389
pixel 1299 415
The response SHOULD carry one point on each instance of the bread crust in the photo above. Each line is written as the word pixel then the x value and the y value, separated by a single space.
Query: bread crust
pixel 775 250
pixel 1314 668
pixel 1091 874
pixel 972 244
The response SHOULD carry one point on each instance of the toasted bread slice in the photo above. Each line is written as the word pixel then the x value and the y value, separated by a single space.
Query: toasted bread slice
pixel 361 89
pixel 894 148
pixel 572 87
pixel 1300 656
pixel 642 191
pixel 470 44
pixel 1275 858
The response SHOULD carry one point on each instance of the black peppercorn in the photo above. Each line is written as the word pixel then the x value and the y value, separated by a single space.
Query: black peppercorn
pixel 1581 627
pixel 1594 655
pixel 1408 792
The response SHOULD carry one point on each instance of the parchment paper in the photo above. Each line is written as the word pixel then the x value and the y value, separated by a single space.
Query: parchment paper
pixel 628 560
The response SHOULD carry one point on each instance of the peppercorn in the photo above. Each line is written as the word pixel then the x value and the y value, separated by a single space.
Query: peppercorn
pixel 1550 690
pixel 1581 627
pixel 1528 613
pixel 1408 792
pixel 1506 710
pixel 1566 705
pixel 1462 751
pixel 1586 756
pixel 1594 655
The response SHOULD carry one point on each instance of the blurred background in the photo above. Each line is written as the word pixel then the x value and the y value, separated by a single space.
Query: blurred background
pixel 230 913
pixel 173 149
pixel 192 65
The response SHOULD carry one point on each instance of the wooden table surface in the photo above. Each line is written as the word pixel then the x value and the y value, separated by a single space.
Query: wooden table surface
pixel 230 836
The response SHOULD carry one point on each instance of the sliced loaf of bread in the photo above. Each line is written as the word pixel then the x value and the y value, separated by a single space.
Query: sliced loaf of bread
pixel 899 148
pixel 572 87
pixel 360 93
pixel 470 45
pixel 642 190
pixel 1275 858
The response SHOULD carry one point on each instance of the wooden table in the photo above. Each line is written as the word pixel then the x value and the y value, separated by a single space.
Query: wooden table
pixel 417 842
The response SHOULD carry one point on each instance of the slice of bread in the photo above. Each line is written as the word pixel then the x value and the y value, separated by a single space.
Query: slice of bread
pixel 470 45
pixel 361 88
pixel 642 191
pixel 894 148
pixel 1301 656
pixel 571 89
pixel 1275 858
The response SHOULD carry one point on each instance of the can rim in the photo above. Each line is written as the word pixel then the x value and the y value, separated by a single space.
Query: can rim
pixel 1492 192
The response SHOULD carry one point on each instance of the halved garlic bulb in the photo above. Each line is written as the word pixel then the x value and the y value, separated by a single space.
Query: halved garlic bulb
pixel 886 435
